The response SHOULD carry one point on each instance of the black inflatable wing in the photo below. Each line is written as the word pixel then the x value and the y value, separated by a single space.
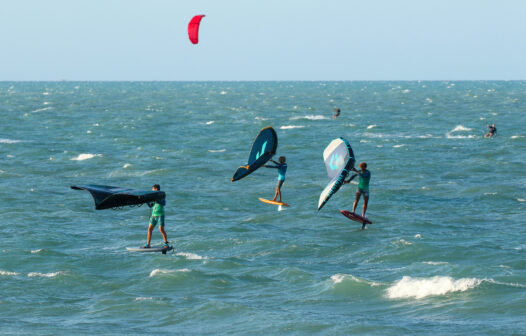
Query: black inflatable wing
pixel 263 149
pixel 107 197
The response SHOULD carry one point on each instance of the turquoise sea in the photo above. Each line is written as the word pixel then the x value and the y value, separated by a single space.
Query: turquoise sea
pixel 445 255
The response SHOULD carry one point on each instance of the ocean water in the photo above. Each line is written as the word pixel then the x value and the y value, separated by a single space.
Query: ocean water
pixel 444 256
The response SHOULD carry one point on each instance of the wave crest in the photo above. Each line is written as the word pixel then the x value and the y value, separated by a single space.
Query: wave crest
pixel 419 288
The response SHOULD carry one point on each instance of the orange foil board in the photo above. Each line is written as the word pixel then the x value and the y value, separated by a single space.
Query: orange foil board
pixel 273 202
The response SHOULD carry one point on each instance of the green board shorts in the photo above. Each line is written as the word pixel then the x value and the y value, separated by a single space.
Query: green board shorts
pixel 363 192
pixel 154 220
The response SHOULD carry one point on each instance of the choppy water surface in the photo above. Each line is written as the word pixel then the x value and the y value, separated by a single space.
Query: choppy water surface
pixel 445 254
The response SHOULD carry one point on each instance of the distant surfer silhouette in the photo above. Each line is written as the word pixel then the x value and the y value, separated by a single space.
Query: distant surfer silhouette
pixel 157 217
pixel 492 131
pixel 337 114
pixel 363 188
pixel 281 166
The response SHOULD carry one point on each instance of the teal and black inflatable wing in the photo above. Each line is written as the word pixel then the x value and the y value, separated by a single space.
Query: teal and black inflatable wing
pixel 107 197
pixel 263 149
pixel 339 160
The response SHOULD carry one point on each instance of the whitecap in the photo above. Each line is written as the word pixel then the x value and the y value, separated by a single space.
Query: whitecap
pixel 160 271
pixel 126 165
pixel 8 273
pixel 459 128
pixel 143 298
pixel 260 118
pixel 223 92
pixel 83 157
pixel 418 235
pixel 190 256
pixel 310 117
pixel 36 251
pixel 166 271
pixel 42 109
pixel 398 146
pixel 516 136
pixel 45 275
pixel 419 288
pixel 521 199
pixel 371 126
pixel 291 127
pixel 217 150
pixel 210 122
pixel 10 141
pixel 436 263
pixel 339 278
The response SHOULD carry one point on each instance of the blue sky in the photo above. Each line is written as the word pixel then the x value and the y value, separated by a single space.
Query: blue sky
pixel 263 40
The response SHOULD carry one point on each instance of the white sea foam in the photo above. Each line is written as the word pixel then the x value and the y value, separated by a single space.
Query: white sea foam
pixel 159 271
pixel 223 92
pixel 516 136
pixel 36 251
pixel 10 141
pixel 260 118
pixel 143 298
pixel 310 117
pixel 419 288
pixel 45 275
pixel 398 146
pixel 8 273
pixel 190 256
pixel 418 236
pixel 126 165
pixel 436 263
pixel 85 156
pixel 217 150
pixel 42 109
pixel 459 128
pixel 291 127
pixel 210 122
pixel 521 199
pixel 371 126
pixel 339 278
